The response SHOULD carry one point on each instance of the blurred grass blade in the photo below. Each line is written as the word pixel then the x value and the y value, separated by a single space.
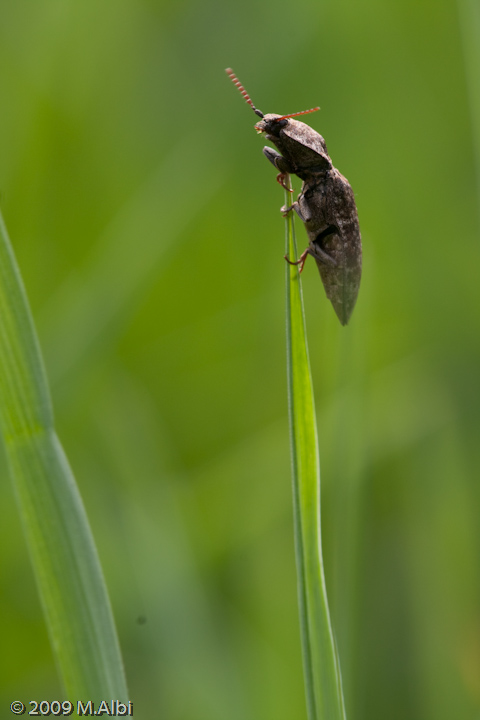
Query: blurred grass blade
pixel 65 561
pixel 469 11
pixel 322 672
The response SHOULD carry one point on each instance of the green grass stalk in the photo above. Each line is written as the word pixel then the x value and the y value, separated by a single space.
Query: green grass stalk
pixel 322 673
pixel 62 550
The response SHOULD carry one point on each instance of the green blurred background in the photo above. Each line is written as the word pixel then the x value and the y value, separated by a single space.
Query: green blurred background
pixel 146 223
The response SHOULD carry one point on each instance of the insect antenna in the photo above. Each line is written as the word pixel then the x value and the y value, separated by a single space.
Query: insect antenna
pixel 303 112
pixel 247 97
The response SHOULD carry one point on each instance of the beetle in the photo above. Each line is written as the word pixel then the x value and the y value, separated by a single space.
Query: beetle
pixel 326 203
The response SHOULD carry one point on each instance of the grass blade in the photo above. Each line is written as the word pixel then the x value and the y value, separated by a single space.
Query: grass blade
pixel 322 673
pixel 469 12
pixel 65 561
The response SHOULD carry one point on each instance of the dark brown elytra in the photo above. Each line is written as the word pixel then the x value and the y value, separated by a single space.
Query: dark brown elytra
pixel 326 204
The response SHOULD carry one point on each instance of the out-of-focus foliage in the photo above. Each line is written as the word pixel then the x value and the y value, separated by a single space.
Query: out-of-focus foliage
pixel 145 222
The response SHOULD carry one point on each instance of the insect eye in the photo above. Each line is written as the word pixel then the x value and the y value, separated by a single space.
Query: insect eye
pixel 281 123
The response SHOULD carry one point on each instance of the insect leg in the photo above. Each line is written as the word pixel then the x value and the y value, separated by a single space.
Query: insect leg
pixel 301 207
pixel 286 209
pixel 301 260
pixel 317 253
pixel 280 163
pixel 281 177
pixel 316 250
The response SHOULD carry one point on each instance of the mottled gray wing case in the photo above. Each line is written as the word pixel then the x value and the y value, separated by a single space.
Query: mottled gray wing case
pixel 341 282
